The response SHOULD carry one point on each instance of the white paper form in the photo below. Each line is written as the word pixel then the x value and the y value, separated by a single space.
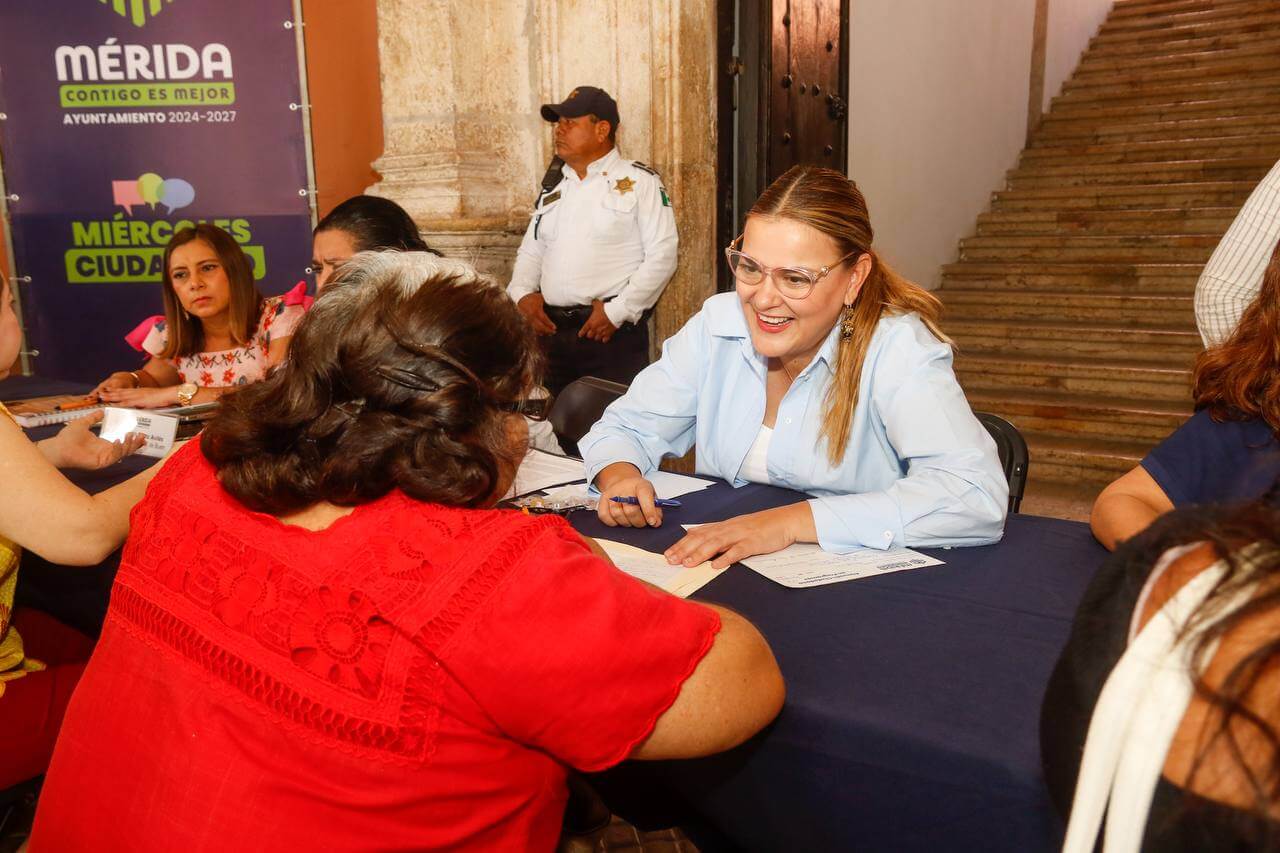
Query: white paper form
pixel 669 485
pixel 541 470
pixel 654 568
pixel 806 564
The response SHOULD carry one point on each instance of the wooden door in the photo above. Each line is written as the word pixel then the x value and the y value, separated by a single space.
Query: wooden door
pixel 807 88
pixel 782 95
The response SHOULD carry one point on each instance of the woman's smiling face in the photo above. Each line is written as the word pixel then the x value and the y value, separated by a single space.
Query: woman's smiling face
pixel 785 327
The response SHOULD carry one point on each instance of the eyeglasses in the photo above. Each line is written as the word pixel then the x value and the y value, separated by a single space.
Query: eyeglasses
pixel 791 282
pixel 533 409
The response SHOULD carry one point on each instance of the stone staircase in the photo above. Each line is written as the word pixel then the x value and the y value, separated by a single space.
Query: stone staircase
pixel 1072 303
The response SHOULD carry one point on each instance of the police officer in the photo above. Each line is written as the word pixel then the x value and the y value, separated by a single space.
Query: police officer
pixel 599 249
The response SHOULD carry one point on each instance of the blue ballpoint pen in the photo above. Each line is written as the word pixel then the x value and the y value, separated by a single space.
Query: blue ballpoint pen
pixel 628 499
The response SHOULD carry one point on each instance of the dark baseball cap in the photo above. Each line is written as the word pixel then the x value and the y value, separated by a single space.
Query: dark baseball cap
pixel 584 100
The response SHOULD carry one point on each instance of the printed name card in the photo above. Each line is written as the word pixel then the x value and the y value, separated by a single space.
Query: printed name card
pixel 159 429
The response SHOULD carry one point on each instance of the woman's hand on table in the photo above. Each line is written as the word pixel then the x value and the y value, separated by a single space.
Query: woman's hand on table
pixel 76 447
pixel 141 398
pixel 117 381
pixel 727 542
pixel 623 480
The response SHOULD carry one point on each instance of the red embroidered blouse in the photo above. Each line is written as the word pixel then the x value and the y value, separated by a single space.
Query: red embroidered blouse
pixel 413 677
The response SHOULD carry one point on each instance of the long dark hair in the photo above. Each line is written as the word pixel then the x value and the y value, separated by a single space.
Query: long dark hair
pixel 375 224
pixel 1240 378
pixel 1246 537
pixel 184 333
pixel 398 378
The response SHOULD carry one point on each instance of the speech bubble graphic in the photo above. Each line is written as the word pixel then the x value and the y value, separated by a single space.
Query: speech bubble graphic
pixel 125 194
pixel 176 193
pixel 149 188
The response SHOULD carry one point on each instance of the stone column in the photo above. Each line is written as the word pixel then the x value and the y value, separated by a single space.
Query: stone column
pixel 465 146
pixel 450 155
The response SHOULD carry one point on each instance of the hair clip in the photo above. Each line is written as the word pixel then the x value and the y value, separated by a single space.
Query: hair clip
pixel 351 408
pixel 407 378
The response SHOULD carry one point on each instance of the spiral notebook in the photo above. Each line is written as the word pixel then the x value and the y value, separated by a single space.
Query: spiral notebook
pixel 58 409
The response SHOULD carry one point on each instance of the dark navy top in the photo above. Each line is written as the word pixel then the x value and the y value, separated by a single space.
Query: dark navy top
pixel 1209 462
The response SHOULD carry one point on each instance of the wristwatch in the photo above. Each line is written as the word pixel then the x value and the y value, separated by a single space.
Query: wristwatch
pixel 186 393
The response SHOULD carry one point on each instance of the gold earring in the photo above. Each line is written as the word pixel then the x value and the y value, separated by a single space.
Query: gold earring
pixel 846 322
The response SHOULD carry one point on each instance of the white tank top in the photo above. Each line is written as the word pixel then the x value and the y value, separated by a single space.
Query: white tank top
pixel 755 468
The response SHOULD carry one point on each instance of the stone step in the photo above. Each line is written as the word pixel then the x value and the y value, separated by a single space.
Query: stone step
pixel 1179 171
pixel 1110 378
pixel 1226 66
pixel 1093 461
pixel 1160 278
pixel 1170 150
pixel 1244 35
pixel 1136 10
pixel 1198 220
pixel 1264 18
pixel 1090 115
pixel 1122 249
pixel 1047 338
pixel 1187 129
pixel 1167 92
pixel 1062 415
pixel 1131 312
pixel 1123 23
pixel 1091 64
pixel 1132 197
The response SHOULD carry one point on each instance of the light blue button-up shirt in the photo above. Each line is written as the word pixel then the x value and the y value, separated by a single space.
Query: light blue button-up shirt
pixel 919 468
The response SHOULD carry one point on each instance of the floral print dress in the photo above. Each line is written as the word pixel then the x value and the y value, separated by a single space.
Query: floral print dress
pixel 240 365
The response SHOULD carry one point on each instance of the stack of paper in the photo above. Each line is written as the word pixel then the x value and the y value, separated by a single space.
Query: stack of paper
pixel 541 470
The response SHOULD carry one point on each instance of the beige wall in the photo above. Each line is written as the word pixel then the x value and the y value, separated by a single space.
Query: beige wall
pixel 346 103
pixel 1071 24
pixel 938 108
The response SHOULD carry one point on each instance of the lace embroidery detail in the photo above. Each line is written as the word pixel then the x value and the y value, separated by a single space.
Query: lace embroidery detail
pixel 483 581
pixel 339 636
pixel 413 738
pixel 339 628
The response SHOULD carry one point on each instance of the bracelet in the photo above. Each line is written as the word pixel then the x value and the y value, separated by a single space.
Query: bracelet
pixel 137 380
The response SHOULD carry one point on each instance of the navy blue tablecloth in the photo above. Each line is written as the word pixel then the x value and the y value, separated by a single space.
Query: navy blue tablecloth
pixel 913 698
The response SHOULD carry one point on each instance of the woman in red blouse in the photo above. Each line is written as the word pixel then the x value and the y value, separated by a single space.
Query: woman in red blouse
pixel 323 636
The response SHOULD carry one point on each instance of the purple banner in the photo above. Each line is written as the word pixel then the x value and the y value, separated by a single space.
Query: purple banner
pixel 125 120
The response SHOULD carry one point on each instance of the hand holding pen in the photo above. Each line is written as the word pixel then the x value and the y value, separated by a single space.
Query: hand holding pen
pixel 627 499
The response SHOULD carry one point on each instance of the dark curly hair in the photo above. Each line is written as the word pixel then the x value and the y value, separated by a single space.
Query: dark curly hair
pixel 400 377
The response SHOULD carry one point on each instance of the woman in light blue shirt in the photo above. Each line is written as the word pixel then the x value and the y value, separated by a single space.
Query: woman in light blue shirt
pixel 824 372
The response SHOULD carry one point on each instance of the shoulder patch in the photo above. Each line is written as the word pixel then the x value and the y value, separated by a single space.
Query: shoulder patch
pixel 642 167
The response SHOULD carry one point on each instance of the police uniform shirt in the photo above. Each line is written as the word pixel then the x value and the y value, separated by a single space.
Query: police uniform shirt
pixel 610 234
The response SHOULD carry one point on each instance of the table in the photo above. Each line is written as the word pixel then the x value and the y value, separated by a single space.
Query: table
pixel 913 698
pixel 75 595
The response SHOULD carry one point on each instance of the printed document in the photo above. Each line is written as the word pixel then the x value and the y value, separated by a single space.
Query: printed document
pixel 806 564
pixel 654 568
